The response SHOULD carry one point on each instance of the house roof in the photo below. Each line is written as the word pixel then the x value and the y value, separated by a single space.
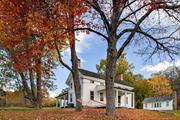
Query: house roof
pixel 62 95
pixel 158 99
pixel 95 75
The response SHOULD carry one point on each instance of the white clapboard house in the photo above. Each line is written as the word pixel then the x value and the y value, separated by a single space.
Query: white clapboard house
pixel 93 92
pixel 159 103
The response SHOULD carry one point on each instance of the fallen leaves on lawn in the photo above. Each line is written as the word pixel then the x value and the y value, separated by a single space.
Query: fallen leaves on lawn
pixel 86 114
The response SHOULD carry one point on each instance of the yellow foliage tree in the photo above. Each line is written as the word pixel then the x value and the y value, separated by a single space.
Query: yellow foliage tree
pixel 160 86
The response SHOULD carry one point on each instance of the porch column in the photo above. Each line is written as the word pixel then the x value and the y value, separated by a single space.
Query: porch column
pixel 64 102
pixel 125 99
pixel 133 100
pixel 116 98
pixel 60 103
pixel 56 102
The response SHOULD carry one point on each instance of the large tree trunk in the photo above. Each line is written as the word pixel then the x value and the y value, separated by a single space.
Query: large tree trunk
pixel 39 84
pixel 33 87
pixel 110 76
pixel 26 90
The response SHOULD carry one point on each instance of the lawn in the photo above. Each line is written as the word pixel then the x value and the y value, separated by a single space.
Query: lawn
pixel 86 114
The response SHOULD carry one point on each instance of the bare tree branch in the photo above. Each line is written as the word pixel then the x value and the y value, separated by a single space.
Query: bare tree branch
pixel 60 59
pixel 127 41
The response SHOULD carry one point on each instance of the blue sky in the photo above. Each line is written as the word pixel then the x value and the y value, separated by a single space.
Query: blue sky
pixel 91 49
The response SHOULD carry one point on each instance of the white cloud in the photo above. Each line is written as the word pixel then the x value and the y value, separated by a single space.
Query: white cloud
pixel 82 44
pixel 160 66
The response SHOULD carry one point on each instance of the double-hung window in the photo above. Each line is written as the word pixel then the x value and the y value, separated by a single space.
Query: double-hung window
pixel 91 95
pixel 101 97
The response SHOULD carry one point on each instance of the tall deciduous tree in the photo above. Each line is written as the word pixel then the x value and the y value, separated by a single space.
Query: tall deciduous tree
pixel 160 86
pixel 73 10
pixel 25 36
pixel 122 22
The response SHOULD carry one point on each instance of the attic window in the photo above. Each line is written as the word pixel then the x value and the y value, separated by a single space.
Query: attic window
pixel 91 81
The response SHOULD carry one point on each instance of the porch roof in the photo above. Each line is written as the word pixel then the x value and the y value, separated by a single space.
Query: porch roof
pixel 62 95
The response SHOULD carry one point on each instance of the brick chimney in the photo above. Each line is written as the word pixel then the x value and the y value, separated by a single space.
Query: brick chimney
pixel 79 63
pixel 120 77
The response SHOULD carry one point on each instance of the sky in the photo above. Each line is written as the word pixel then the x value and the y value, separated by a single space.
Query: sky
pixel 91 48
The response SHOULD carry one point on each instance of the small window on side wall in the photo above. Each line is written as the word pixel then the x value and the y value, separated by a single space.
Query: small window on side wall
pixel 71 99
pixel 71 85
pixel 145 105
pixel 101 97
pixel 167 103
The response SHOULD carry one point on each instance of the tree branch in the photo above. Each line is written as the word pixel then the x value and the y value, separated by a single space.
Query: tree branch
pixel 120 51
pixel 91 30
pixel 60 59
pixel 96 6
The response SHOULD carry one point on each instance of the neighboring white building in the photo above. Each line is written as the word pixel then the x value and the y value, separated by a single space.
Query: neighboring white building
pixel 159 103
pixel 93 91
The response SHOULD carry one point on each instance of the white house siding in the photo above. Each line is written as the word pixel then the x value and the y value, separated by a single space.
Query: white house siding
pixel 71 91
pixel 87 86
pixel 151 106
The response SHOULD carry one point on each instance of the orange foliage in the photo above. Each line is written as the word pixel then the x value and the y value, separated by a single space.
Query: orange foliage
pixel 32 26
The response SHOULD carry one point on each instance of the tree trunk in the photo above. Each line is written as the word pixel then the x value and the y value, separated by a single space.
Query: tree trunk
pixel 74 59
pixel 76 77
pixel 26 90
pixel 39 84
pixel 32 86
pixel 109 78
pixel 25 85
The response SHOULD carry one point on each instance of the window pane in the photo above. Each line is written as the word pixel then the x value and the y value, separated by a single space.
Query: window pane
pixel 167 103
pixel 92 95
pixel 70 97
pixel 101 97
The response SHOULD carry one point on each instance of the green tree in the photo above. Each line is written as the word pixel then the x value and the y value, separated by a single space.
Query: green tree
pixel 123 67
pixel 142 90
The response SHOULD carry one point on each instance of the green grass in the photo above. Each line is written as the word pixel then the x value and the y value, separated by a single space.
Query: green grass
pixel 15 109
pixel 175 112
pixel 11 109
